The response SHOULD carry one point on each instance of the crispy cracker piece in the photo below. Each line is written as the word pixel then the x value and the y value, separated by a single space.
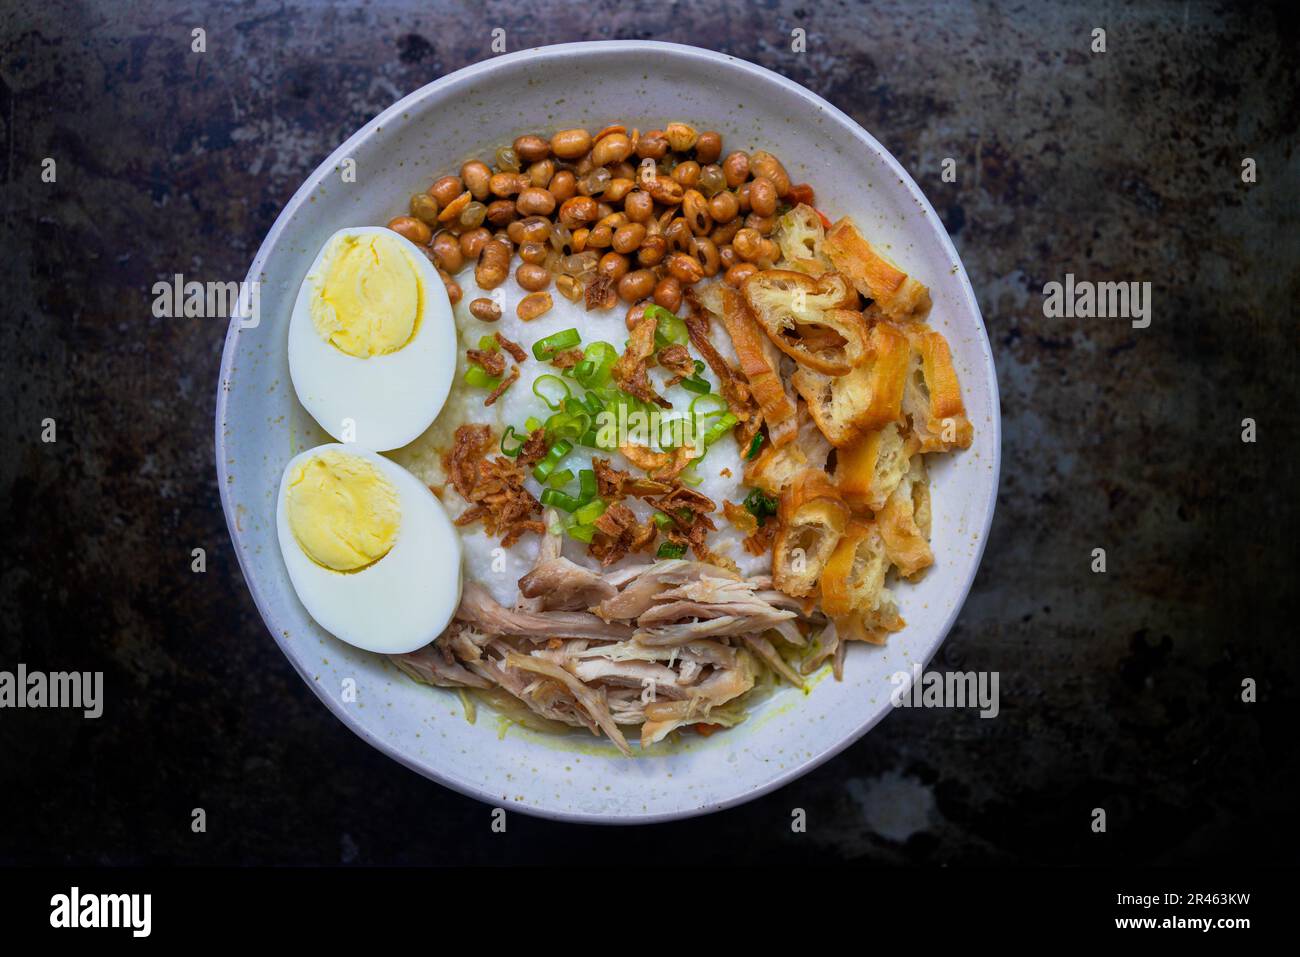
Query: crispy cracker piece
pixel 854 576
pixel 813 517
pixel 775 468
pixel 932 398
pixel 800 234
pixel 868 397
pixel 760 365
pixel 813 321
pixel 868 471
pixel 894 293
pixel 905 522
pixel 734 389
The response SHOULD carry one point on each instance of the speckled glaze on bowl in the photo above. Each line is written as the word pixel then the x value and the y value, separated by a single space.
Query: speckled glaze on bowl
pixel 259 424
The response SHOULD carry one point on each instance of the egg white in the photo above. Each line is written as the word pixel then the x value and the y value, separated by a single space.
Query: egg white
pixel 401 602
pixel 389 399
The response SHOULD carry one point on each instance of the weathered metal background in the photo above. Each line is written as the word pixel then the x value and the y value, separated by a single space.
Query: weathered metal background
pixel 1120 691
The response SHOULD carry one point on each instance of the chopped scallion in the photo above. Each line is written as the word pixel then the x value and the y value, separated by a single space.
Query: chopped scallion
pixel 554 498
pixel 720 428
pixel 545 349
pixel 554 456
pixel 588 513
pixel 568 425
pixel 516 442
pixel 476 377
pixel 583 533
pixel 548 388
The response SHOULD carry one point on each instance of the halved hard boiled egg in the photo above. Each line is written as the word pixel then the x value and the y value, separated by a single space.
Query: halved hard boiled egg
pixel 372 343
pixel 370 550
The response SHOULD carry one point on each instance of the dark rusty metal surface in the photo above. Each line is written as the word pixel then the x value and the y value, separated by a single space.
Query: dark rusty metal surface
pixel 1119 691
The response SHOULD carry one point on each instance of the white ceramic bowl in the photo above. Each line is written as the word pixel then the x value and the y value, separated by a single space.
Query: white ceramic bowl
pixel 260 425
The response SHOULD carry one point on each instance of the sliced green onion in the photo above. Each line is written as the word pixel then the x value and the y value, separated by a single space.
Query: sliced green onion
pixel 583 533
pixel 720 428
pixel 545 349
pixel 550 383
pixel 676 434
pixel 691 477
pixel 532 424
pixel 696 384
pixel 707 406
pixel 568 425
pixel 488 344
pixel 476 377
pixel 574 405
pixel 514 450
pixel 657 312
pixel 699 367
pixel 590 440
pixel 594 369
pixel 560 479
pixel 587 486
pixel 669 330
pixel 543 469
pixel 588 513
pixel 752 452
pixel 670 550
pixel 593 403
pixel 661 520
pixel 553 497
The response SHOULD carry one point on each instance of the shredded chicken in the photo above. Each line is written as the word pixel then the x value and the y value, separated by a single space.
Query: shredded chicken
pixel 480 609
pixel 436 664
pixel 591 700
pixel 562 585
pixel 767 651
pixel 664 645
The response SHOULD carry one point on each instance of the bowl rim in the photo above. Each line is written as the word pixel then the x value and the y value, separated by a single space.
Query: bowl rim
pixel 467 75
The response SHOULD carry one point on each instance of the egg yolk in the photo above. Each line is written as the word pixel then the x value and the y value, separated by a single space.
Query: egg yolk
pixel 342 511
pixel 368 301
